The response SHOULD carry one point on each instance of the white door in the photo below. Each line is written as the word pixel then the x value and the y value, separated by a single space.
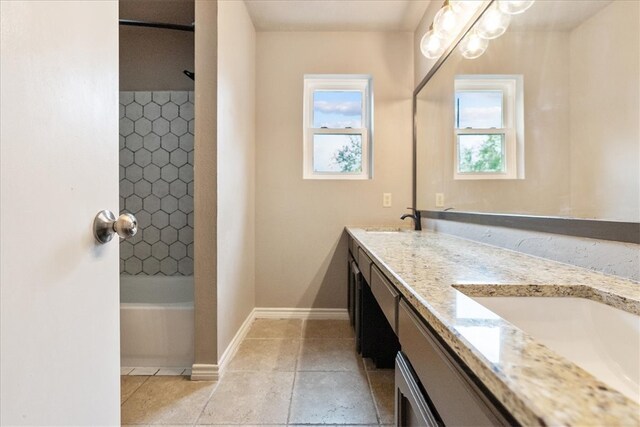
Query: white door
pixel 59 325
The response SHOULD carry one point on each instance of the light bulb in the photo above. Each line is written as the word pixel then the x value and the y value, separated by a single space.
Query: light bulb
pixel 431 45
pixel 445 23
pixel 493 23
pixel 514 7
pixel 472 45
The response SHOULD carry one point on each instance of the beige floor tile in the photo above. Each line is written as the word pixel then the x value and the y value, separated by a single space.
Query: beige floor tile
pixel 332 398
pixel 327 329
pixel 250 398
pixel 125 371
pixel 129 384
pixel 266 355
pixel 144 371
pixel 167 400
pixel 170 371
pixel 275 328
pixel 383 388
pixel 328 354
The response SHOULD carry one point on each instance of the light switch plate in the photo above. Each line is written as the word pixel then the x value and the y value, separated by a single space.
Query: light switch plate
pixel 386 200
pixel 439 200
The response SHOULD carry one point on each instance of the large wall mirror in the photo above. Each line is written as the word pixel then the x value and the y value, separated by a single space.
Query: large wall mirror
pixel 541 120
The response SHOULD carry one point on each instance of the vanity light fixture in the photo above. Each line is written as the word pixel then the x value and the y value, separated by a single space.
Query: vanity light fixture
pixel 472 45
pixel 446 22
pixel 465 8
pixel 446 25
pixel 455 13
pixel 514 7
pixel 493 23
pixel 431 45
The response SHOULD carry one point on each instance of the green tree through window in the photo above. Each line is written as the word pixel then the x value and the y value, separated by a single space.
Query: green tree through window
pixel 349 157
pixel 487 157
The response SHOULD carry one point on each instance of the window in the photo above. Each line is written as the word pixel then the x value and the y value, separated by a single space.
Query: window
pixel 337 127
pixel 489 128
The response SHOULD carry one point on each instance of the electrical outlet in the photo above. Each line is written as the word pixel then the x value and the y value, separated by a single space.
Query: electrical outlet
pixel 386 200
pixel 439 200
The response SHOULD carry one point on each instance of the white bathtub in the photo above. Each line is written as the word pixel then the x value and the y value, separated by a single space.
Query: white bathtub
pixel 156 321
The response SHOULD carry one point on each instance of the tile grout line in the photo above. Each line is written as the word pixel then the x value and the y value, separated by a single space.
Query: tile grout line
pixel 375 404
pixel 134 392
pixel 215 387
pixel 295 370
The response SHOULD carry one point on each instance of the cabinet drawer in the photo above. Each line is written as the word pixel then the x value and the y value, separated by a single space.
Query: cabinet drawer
pixel 351 244
pixel 364 262
pixel 457 399
pixel 386 295
pixel 354 249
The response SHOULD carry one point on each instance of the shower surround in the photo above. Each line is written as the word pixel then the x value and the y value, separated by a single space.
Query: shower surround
pixel 156 181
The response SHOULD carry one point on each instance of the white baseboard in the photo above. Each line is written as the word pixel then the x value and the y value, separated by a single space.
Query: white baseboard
pixel 233 346
pixel 208 372
pixel 302 313
pixel 204 372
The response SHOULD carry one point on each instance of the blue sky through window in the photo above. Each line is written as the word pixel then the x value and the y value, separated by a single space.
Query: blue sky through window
pixel 337 109
pixel 478 109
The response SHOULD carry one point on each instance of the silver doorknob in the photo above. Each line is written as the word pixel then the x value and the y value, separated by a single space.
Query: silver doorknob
pixel 105 225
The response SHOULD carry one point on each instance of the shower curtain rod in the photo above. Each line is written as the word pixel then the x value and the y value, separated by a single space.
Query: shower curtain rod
pixel 134 23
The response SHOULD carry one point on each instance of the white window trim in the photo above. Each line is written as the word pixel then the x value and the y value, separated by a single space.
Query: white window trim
pixel 512 121
pixel 361 83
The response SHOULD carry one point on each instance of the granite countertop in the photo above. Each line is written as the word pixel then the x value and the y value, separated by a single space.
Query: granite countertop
pixel 538 386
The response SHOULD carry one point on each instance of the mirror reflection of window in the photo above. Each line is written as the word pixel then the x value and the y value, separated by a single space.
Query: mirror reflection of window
pixel 579 60
pixel 486 125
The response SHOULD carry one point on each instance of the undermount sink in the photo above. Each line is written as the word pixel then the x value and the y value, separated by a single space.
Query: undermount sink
pixel 603 340
pixel 385 230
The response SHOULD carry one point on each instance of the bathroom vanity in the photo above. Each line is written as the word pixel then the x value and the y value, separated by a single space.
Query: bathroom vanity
pixel 459 363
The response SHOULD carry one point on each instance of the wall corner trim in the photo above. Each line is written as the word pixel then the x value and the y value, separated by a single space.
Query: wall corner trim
pixel 233 346
pixel 204 372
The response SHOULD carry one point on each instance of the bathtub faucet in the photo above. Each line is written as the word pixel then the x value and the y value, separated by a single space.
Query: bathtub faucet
pixel 416 218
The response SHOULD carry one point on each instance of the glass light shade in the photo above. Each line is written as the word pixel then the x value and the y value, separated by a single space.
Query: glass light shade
pixel 465 7
pixel 493 23
pixel 514 7
pixel 473 46
pixel 431 45
pixel 446 23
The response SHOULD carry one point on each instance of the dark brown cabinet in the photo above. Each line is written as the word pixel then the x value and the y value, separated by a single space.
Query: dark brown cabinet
pixel 375 336
pixel 433 386
pixel 457 398
pixel 411 408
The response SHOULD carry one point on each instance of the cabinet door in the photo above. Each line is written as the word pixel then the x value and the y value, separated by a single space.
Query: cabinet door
pixel 364 262
pixel 351 290
pixel 457 398
pixel 356 276
pixel 411 408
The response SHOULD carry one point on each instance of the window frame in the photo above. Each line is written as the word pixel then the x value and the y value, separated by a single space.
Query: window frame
pixel 333 82
pixel 512 124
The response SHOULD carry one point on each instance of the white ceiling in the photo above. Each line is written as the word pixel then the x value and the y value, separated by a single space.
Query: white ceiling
pixel 336 15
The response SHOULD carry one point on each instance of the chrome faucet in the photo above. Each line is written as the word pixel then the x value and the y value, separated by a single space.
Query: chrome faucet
pixel 416 218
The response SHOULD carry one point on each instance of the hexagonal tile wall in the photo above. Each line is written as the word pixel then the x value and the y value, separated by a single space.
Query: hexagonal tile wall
pixel 156 181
